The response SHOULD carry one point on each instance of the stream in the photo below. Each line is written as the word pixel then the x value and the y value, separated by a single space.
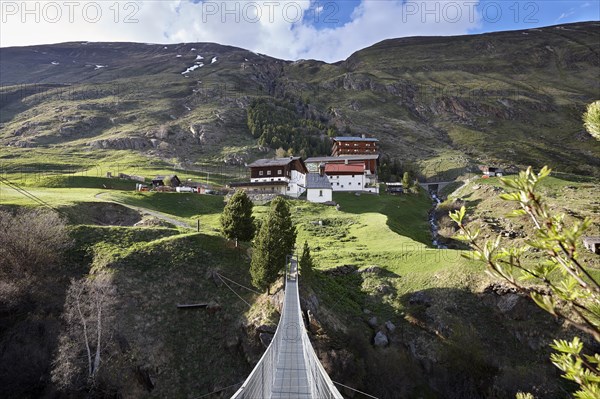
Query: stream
pixel 433 222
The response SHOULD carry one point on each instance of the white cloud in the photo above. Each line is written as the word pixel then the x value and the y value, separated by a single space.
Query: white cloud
pixel 275 28
pixel 565 15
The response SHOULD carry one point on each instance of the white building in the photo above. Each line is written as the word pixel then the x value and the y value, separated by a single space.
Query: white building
pixel 290 170
pixel 350 177
pixel 318 188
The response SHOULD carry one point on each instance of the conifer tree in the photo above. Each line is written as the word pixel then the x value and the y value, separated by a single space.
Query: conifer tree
pixel 237 222
pixel 306 262
pixel 406 181
pixel 274 242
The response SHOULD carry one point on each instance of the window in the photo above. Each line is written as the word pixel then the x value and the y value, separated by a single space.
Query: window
pixel 359 183
pixel 353 176
pixel 339 184
pixel 350 183
pixel 289 188
pixel 279 171
pixel 268 173
pixel 320 193
pixel 260 173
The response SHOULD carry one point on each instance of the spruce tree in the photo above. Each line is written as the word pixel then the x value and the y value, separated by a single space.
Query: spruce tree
pixel 274 242
pixel 237 222
pixel 406 182
pixel 284 225
pixel 306 262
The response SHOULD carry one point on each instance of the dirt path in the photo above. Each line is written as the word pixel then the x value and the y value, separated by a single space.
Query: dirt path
pixel 147 211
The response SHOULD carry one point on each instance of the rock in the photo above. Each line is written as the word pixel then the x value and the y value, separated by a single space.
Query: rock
pixel 500 289
pixel 310 302
pixel 313 322
pixel 373 322
pixel 265 328
pixel 277 300
pixel 383 289
pixel 380 339
pixel 507 302
pixel 341 270
pixel 370 269
pixel 265 339
pixel 420 298
pixel 390 326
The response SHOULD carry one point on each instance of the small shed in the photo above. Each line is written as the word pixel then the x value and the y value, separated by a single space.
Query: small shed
pixel 592 244
pixel 491 171
pixel 395 188
pixel 318 188
pixel 172 181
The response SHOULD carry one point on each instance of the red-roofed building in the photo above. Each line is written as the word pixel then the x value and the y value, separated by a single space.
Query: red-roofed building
pixel 348 177
pixel 345 169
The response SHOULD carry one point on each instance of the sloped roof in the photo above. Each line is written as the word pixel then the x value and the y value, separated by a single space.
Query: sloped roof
pixel 349 138
pixel 261 163
pixel 343 158
pixel 161 177
pixel 316 181
pixel 333 168
pixel 258 184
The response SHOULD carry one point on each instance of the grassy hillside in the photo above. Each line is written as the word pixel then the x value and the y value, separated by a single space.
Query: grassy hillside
pixel 509 97
pixel 442 105
pixel 454 331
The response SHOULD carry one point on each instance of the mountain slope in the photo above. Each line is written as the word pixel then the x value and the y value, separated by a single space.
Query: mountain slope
pixel 444 102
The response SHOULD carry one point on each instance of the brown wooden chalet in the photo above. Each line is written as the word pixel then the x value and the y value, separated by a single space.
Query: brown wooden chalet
pixel 354 146
pixel 279 169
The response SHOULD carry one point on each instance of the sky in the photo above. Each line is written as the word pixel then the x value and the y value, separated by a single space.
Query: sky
pixel 326 30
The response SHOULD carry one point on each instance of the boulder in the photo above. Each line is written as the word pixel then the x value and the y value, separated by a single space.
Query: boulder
pixel 373 322
pixel 381 339
pixel 390 326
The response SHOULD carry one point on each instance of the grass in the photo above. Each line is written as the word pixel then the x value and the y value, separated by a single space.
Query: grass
pixel 154 270
pixel 157 268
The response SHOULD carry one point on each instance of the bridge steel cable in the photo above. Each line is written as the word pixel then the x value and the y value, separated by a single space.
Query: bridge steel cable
pixel 289 368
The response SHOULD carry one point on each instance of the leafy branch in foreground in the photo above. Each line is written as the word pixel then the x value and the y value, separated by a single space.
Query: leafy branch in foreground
pixel 560 284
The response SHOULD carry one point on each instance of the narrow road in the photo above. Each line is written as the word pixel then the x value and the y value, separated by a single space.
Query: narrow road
pixel 150 212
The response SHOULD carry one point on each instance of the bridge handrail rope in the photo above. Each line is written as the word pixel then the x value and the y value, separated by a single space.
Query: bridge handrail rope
pixel 260 382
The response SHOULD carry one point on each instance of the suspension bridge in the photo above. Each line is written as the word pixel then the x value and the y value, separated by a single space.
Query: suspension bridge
pixel 289 368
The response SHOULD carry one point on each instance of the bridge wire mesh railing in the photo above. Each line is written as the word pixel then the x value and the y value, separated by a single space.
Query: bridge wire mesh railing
pixel 259 383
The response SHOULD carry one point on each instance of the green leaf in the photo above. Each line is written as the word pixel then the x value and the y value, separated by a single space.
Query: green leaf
pixel 545 302
pixel 510 197
pixel 516 213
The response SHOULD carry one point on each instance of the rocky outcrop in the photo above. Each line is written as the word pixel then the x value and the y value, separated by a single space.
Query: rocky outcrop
pixel 124 143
